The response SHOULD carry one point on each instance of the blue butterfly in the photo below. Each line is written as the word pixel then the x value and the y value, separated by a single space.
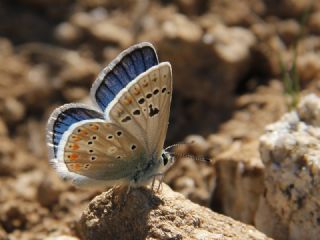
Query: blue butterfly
pixel 120 142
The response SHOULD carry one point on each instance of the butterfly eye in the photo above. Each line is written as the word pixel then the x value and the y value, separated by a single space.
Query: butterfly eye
pixel 165 159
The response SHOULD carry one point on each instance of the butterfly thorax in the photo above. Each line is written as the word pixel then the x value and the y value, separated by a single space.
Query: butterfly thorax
pixel 146 172
pixel 154 167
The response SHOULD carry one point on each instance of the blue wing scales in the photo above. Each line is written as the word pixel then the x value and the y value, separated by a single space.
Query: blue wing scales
pixel 121 71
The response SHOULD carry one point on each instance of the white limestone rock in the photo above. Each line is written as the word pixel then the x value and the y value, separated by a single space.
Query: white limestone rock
pixel 290 150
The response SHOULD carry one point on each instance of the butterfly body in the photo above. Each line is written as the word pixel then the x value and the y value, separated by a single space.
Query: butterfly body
pixel 121 140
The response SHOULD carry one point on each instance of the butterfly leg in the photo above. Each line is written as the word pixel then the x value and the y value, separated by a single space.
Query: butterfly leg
pixel 153 182
pixel 123 194
pixel 128 188
pixel 161 176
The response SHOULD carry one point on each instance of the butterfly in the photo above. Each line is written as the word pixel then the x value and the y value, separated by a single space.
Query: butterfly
pixel 120 140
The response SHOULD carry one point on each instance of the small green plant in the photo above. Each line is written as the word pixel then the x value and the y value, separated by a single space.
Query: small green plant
pixel 289 72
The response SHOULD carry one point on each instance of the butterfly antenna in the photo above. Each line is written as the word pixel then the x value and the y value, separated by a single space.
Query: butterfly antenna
pixel 174 154
pixel 197 158
pixel 174 145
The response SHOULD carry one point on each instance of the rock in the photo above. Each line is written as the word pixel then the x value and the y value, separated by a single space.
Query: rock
pixel 287 8
pixel 197 145
pixel 264 52
pixel 67 33
pixel 193 178
pixel 14 111
pixel 262 219
pixel 25 186
pixel 314 22
pixel 81 20
pixel 163 215
pixel 112 34
pixel 238 165
pixel 192 7
pixel 62 237
pixel 3 128
pixel 75 94
pixel 180 27
pixel 308 66
pixel 290 150
pixel 237 13
pixel 13 217
pixel 232 44
pixel 49 190
pixel 288 30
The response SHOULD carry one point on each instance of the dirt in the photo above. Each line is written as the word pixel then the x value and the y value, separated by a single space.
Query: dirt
pixel 223 53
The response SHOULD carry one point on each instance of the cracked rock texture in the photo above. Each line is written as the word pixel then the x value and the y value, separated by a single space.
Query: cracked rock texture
pixel 290 150
pixel 163 215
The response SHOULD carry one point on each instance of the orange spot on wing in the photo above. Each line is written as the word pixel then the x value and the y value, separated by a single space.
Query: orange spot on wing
pixel 84 133
pixel 75 146
pixel 76 138
pixel 94 127
pixel 136 91
pixel 74 156
pixel 128 101
pixel 77 167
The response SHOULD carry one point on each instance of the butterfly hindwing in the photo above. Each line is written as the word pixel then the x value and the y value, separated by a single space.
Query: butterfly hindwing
pixel 143 107
pixel 62 118
pixel 100 150
pixel 125 68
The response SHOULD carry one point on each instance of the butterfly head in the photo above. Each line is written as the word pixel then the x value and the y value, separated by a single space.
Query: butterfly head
pixel 166 160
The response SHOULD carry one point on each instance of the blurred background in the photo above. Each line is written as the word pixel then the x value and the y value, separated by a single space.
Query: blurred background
pixel 231 63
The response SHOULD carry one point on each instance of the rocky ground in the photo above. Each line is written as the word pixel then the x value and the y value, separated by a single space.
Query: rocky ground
pixel 227 66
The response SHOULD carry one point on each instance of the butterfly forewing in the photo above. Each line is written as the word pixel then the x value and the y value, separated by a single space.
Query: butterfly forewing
pixel 101 150
pixel 143 108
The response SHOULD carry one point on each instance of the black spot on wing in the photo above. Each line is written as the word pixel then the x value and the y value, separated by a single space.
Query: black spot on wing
pixel 153 110
pixel 126 119
pixel 141 100
pixel 136 112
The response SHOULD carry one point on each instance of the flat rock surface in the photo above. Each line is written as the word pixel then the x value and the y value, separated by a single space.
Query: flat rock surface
pixel 163 215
